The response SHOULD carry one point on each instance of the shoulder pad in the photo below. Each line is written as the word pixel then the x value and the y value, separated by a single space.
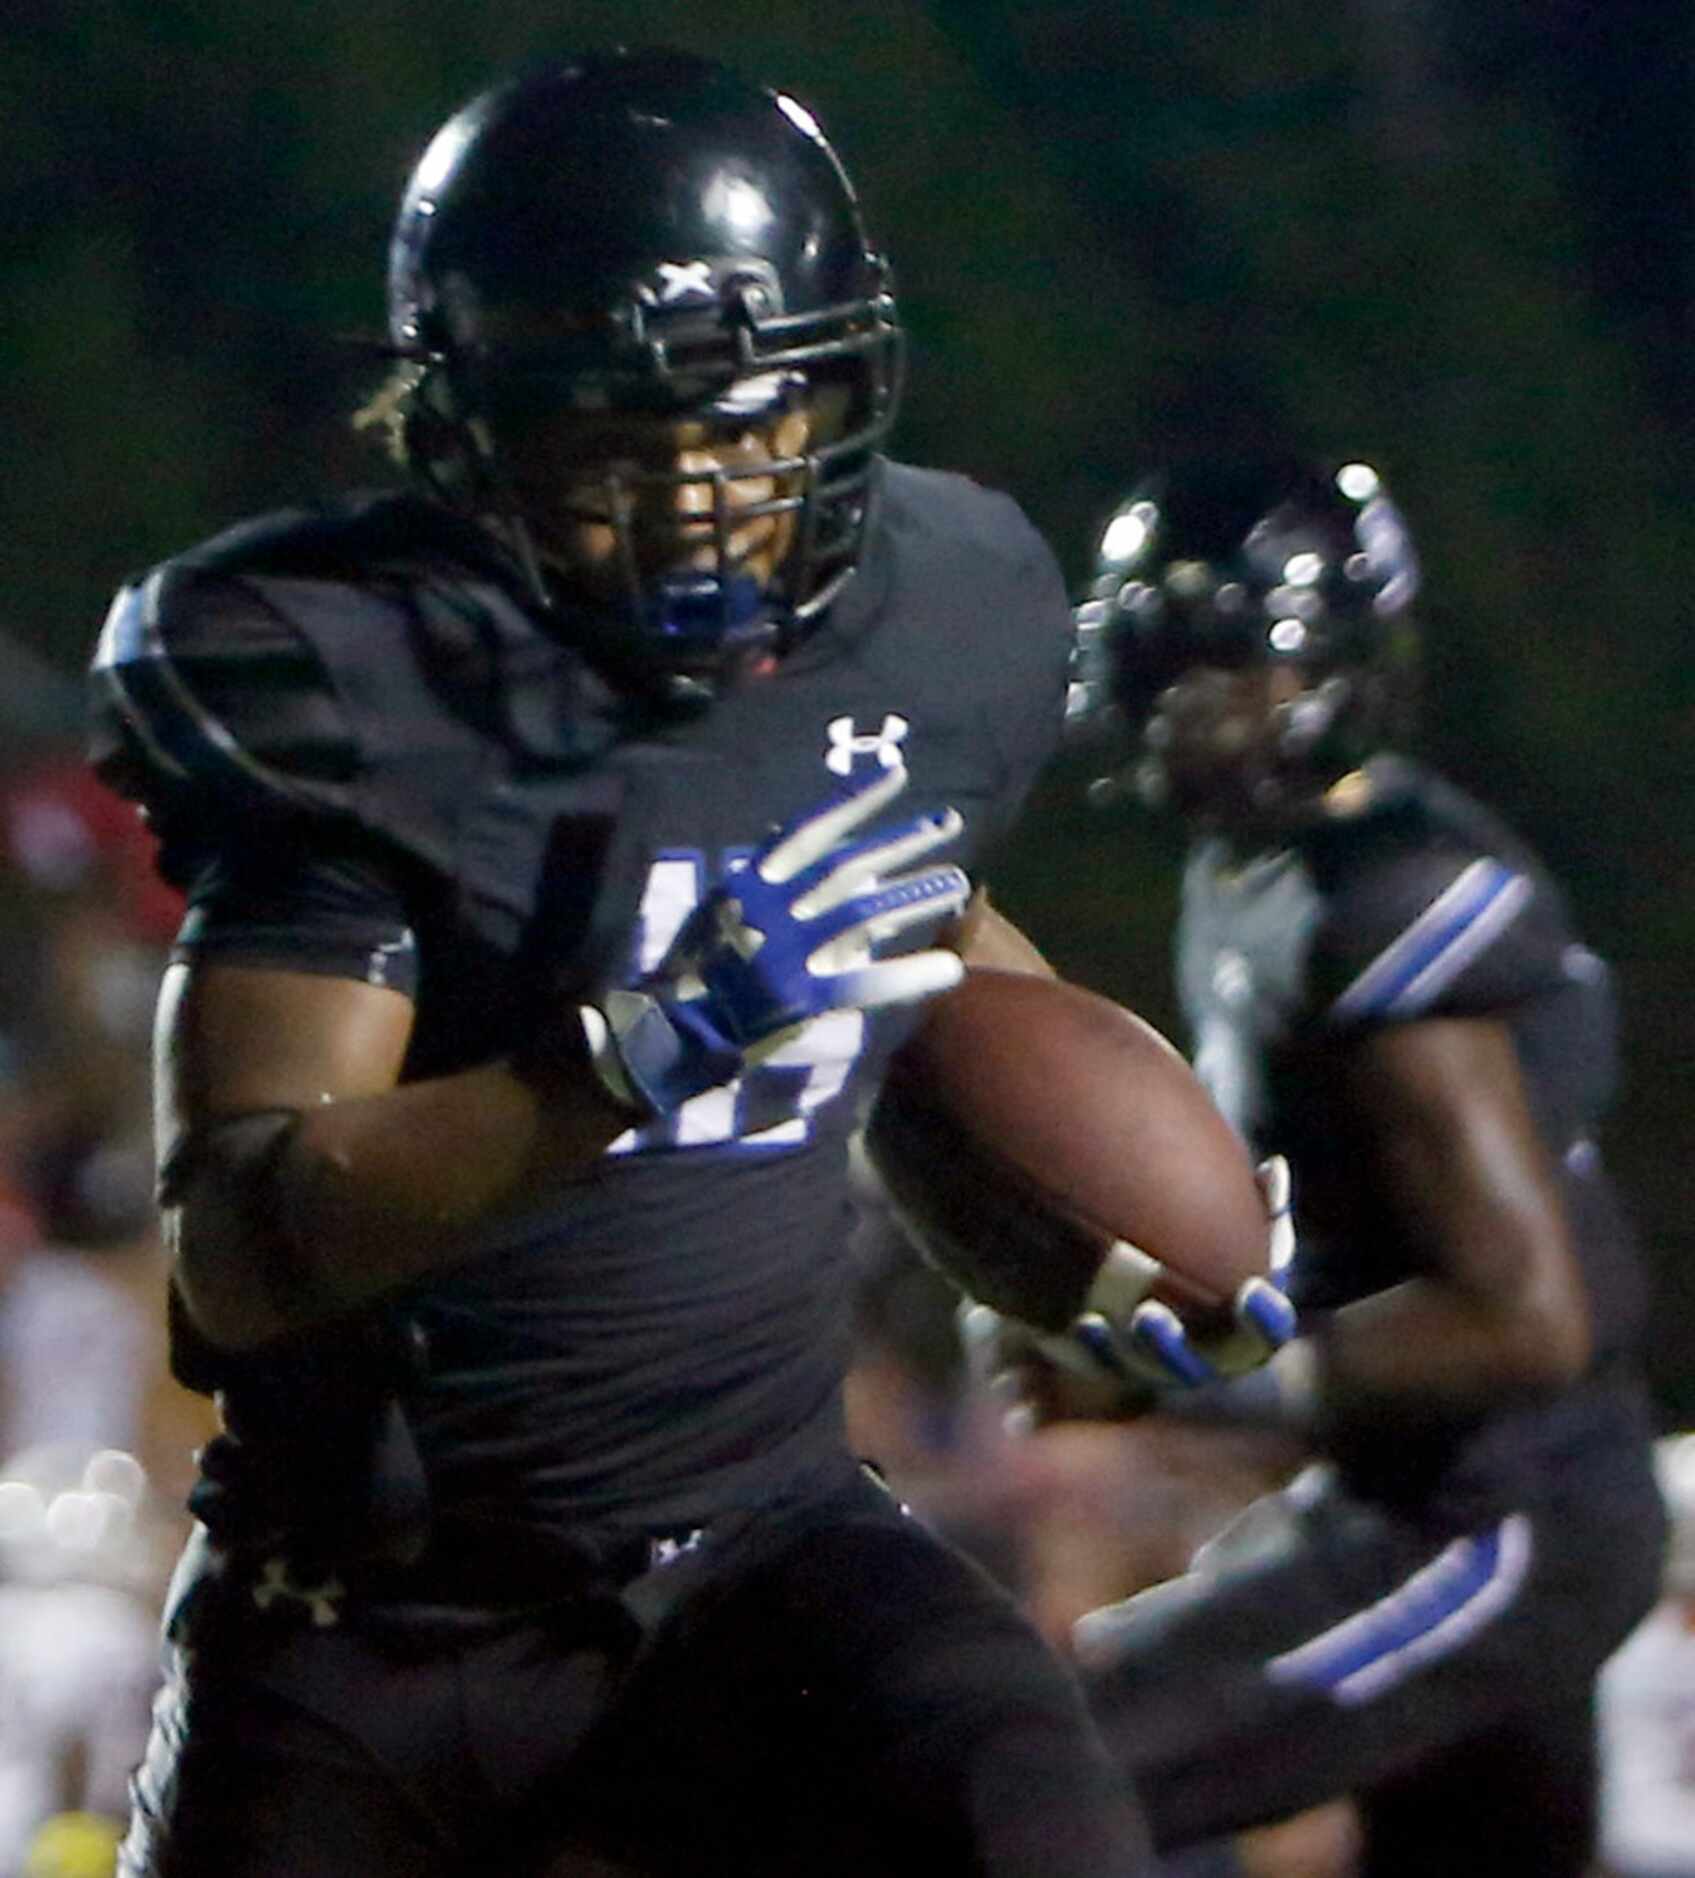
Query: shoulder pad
pixel 946 504
pixel 200 689
pixel 368 660
pixel 232 669
pixel 1416 924
pixel 347 538
pixel 969 617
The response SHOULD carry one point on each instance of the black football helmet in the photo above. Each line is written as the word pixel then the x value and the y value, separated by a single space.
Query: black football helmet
pixel 1230 566
pixel 647 233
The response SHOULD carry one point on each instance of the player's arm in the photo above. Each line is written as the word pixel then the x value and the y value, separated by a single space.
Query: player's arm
pixel 297 1180
pixel 300 1179
pixel 1499 1308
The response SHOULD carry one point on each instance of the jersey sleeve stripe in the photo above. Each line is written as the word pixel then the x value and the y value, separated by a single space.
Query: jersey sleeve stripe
pixel 1431 1614
pixel 179 733
pixel 114 656
pixel 1460 924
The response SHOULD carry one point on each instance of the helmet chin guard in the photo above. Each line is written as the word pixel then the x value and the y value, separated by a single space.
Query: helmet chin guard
pixel 649 236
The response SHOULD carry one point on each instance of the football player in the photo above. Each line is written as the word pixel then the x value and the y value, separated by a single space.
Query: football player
pixel 1385 987
pixel 508 1058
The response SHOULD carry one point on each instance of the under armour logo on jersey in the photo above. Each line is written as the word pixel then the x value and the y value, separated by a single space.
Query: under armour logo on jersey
pixel 320 1599
pixel 684 280
pixel 846 747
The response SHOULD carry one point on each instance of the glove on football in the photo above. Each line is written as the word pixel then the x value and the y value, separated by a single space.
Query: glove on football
pixel 1156 1346
pixel 784 937
pixel 1132 1349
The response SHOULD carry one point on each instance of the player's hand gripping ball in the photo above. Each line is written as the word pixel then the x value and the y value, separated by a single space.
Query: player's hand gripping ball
pixel 1055 1157
pixel 784 937
pixel 1104 1368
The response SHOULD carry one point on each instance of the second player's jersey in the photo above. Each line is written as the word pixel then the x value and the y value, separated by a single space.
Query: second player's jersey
pixel 1422 905
pixel 367 756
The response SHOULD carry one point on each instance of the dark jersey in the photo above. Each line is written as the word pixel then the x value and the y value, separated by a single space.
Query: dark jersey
pixel 1421 906
pixel 366 755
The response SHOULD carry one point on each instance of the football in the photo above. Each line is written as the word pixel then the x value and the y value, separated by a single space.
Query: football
pixel 1028 1125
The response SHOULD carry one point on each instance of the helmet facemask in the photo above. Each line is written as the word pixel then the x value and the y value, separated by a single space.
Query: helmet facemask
pixel 688 534
pixel 1258 655
pixel 716 292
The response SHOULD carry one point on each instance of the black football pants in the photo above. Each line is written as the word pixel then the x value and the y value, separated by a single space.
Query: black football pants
pixel 829 1693
pixel 1446 1682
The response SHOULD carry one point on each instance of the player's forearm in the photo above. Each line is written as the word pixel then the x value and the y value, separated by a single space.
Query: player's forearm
pixel 1419 1349
pixel 1499 1310
pixel 1426 1345
pixel 349 1200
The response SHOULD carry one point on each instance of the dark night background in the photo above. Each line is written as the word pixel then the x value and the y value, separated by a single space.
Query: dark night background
pixel 1450 235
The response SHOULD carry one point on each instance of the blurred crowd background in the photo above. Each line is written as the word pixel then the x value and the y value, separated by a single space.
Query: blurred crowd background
pixel 1453 236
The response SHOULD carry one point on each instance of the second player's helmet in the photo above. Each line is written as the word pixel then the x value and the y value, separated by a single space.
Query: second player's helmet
pixel 648 233
pixel 1253 563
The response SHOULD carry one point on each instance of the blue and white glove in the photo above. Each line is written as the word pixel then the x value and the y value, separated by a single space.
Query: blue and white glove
pixel 784 937
pixel 1155 1344
pixel 1132 1353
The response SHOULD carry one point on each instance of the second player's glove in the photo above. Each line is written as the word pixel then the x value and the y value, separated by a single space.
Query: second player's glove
pixel 1104 1364
pixel 784 937
pixel 1155 1346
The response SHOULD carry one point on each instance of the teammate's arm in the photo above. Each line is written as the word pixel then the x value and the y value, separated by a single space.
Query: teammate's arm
pixel 1499 1307
pixel 300 1179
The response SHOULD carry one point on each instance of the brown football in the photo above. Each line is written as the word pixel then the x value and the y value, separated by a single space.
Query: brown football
pixel 1028 1123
